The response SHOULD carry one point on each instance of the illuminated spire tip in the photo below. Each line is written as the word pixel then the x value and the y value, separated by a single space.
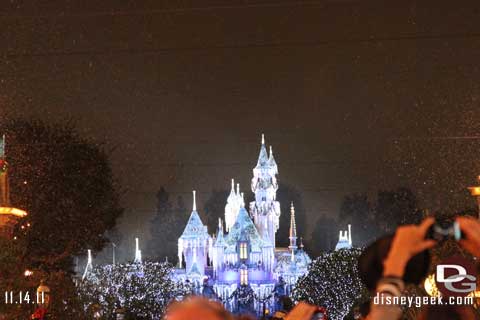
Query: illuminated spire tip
pixel 194 201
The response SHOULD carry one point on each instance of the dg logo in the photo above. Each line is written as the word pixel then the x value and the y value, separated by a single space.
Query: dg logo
pixel 456 276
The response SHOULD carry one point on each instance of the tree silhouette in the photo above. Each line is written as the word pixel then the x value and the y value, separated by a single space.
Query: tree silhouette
pixel 214 208
pixel 395 208
pixel 357 210
pixel 167 226
pixel 324 235
pixel 65 183
pixel 370 220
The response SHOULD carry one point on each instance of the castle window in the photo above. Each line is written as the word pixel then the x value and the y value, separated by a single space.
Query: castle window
pixel 243 251
pixel 243 276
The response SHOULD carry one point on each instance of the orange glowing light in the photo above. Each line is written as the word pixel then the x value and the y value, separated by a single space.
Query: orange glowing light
pixel 13 211
pixel 475 191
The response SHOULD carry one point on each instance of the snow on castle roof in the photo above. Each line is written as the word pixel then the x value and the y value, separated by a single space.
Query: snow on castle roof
pixel 244 229
pixel 195 228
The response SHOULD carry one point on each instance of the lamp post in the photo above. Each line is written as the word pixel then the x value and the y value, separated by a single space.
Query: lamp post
pixel 475 192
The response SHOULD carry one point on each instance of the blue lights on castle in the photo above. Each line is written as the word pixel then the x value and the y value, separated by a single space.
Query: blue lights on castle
pixel 243 253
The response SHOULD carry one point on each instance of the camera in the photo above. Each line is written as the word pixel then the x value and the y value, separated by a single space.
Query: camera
pixel 443 230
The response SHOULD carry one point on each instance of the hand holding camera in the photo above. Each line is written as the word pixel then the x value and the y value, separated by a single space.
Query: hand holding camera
pixel 408 241
pixel 405 254
pixel 470 240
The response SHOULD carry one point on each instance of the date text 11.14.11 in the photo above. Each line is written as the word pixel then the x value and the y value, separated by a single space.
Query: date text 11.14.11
pixel 24 297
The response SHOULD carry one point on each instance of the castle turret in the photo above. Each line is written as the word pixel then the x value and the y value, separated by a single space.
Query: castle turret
pixel 265 210
pixel 194 243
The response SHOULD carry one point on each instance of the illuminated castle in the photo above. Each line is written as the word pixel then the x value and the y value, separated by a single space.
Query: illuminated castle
pixel 243 251
pixel 8 215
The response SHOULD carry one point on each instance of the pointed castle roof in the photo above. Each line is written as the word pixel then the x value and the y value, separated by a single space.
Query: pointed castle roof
pixel 271 161
pixel 244 230
pixel 263 156
pixel 195 229
pixel 194 269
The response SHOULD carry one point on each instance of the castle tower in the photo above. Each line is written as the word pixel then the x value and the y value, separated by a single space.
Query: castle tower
pixel 8 214
pixel 232 207
pixel 293 230
pixel 265 210
pixel 194 244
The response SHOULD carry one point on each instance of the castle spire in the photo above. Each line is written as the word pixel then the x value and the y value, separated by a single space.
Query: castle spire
pixel 194 208
pixel 231 196
pixel 271 162
pixel 232 206
pixel 293 229
pixel 263 156
pixel 138 252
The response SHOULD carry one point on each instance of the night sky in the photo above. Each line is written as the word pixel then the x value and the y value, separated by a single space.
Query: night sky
pixel 354 96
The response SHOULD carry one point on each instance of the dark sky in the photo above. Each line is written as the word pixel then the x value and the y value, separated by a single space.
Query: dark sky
pixel 354 96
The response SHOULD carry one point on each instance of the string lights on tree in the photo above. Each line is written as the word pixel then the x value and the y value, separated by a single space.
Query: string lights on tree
pixel 143 289
pixel 332 282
